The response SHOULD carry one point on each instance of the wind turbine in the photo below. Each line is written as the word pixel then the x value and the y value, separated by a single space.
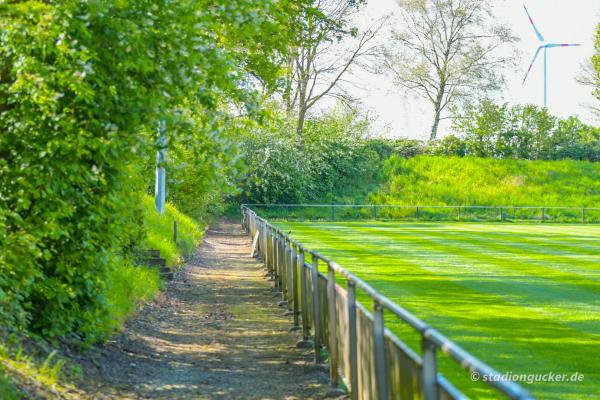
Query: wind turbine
pixel 544 46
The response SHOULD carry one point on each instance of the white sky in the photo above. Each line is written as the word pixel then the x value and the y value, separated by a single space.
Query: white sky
pixel 560 21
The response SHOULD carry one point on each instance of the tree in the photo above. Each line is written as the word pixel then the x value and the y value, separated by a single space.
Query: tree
pixel 327 48
pixel 448 52
pixel 524 132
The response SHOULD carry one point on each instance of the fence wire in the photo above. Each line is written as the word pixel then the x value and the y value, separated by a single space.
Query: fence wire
pixel 387 212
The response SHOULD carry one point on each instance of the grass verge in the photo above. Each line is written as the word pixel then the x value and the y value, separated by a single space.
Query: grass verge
pixel 159 232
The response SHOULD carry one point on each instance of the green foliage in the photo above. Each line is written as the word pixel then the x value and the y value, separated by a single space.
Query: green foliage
pixel 407 147
pixel 478 181
pixel 30 370
pixel 127 286
pixel 448 146
pixel 522 132
pixel 7 389
pixel 335 158
pixel 82 86
pixel 159 232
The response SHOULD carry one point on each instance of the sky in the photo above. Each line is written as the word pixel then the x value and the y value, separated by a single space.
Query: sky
pixel 574 21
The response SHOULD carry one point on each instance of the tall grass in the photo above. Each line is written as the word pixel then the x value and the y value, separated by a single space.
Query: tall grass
pixel 20 370
pixel 427 180
pixel 159 232
pixel 128 286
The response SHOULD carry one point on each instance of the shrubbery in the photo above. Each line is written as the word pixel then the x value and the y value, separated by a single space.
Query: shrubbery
pixel 82 87
pixel 336 158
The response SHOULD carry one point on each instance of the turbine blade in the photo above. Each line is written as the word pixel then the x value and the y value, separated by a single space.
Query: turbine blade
pixel 537 33
pixel 562 44
pixel 532 62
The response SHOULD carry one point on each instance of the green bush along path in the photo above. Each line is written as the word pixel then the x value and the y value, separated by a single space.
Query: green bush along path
pixel 523 298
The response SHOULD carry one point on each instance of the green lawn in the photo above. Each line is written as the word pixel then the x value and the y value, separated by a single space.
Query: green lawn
pixel 523 298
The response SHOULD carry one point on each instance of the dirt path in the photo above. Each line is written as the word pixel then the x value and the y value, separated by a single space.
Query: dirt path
pixel 215 333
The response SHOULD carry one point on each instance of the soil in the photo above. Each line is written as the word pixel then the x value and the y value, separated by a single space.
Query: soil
pixel 215 332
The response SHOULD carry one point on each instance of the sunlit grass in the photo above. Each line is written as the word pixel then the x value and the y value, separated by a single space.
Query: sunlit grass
pixel 523 298
pixel 128 286
pixel 159 232
pixel 20 370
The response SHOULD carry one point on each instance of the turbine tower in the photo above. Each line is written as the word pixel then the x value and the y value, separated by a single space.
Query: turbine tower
pixel 545 47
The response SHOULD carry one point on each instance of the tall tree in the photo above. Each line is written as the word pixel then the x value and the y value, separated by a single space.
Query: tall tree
pixel 327 48
pixel 448 52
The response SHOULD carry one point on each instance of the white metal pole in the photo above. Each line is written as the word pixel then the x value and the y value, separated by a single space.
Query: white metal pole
pixel 161 158
pixel 545 79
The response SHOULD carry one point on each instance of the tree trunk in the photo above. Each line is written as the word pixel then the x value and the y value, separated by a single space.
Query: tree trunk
pixel 287 94
pixel 300 125
pixel 302 108
pixel 436 123
pixel 437 108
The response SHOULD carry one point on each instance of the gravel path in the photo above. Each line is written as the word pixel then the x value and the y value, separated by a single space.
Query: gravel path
pixel 215 333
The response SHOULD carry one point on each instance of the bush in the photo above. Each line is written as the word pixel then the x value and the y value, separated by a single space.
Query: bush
pixel 336 160
pixel 82 87
pixel 74 90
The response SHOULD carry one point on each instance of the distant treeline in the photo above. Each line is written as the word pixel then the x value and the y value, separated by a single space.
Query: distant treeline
pixel 515 132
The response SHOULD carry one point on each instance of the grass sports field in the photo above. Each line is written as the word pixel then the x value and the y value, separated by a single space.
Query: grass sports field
pixel 523 298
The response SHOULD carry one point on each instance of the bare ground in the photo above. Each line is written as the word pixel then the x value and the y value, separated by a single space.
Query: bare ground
pixel 215 333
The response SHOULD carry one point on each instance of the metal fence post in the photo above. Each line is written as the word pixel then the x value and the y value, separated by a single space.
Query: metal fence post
pixel 284 274
pixel 272 243
pixel 583 215
pixel 352 340
pixel 430 391
pixel 295 296
pixel 281 262
pixel 267 256
pixel 375 213
pixel 417 212
pixel 303 296
pixel 332 213
pixel 543 214
pixel 175 230
pixel 276 260
pixel 290 277
pixel 381 373
pixel 333 346
pixel 287 212
pixel 501 215
pixel 459 213
pixel 315 301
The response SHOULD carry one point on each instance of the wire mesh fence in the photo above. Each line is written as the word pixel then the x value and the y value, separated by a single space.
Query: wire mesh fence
pixel 386 212
pixel 361 351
